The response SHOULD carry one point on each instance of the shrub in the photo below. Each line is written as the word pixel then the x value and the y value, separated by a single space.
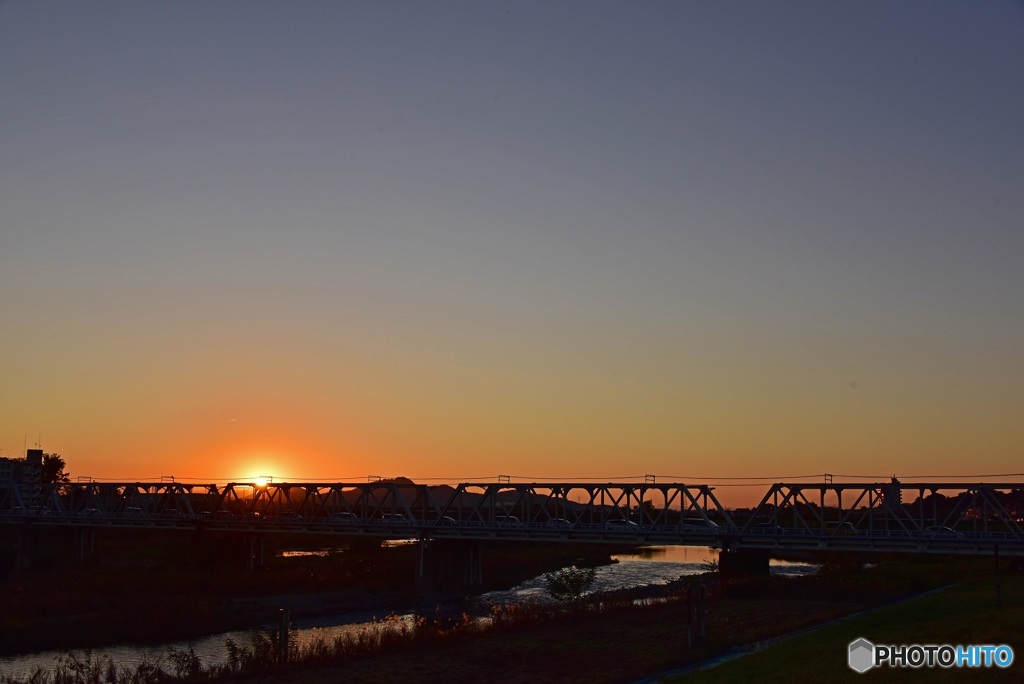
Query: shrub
pixel 569 584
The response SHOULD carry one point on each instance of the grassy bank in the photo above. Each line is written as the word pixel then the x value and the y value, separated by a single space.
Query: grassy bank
pixel 962 614
pixel 616 641
pixel 632 644
pixel 158 587
pixel 612 640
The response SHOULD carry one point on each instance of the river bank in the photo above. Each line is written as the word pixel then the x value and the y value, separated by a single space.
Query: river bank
pixel 150 590
pixel 634 642
pixel 639 638
pixel 612 633
pixel 966 613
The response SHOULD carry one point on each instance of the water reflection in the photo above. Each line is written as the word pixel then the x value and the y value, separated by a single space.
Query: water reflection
pixel 671 554
pixel 315 553
pixel 649 565
pixel 210 650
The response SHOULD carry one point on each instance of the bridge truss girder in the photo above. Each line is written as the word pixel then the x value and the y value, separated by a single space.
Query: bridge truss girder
pixel 840 516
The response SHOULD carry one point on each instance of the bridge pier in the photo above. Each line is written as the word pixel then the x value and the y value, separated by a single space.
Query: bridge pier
pixel 27 538
pixel 85 543
pixel 998 578
pixel 743 562
pixel 254 552
pixel 448 564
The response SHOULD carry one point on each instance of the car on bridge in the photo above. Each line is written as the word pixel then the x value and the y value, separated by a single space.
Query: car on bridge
pixel 558 524
pixel 941 532
pixel 394 519
pixel 507 521
pixel 699 525
pixel 343 518
pixel 840 529
pixel 622 525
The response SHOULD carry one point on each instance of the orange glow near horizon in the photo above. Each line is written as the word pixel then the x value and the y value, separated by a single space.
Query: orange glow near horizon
pixel 708 454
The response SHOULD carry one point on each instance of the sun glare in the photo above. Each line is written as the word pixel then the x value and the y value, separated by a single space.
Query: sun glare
pixel 261 468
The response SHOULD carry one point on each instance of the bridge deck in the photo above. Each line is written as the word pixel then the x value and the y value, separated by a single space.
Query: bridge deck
pixel 914 518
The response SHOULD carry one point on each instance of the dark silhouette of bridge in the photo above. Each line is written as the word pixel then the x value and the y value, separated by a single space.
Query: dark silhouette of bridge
pixel 975 519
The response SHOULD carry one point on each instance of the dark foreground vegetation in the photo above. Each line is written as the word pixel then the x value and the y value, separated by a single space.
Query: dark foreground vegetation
pixel 623 642
pixel 611 638
pixel 152 588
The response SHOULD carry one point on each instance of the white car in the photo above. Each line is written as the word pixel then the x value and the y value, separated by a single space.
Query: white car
pixel 343 518
pixel 507 521
pixel 699 525
pixel 621 526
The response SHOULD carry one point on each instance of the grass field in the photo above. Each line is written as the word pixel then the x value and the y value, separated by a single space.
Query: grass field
pixel 962 614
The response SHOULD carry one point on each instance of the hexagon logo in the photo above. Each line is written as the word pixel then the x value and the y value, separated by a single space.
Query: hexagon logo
pixel 862 655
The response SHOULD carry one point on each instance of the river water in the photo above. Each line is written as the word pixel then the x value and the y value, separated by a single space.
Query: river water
pixel 652 566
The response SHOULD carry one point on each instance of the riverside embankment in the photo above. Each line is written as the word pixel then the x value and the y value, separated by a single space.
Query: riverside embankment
pixel 757 606
pixel 147 589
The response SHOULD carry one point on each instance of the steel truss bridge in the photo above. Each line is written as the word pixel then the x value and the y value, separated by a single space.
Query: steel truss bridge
pixel 978 519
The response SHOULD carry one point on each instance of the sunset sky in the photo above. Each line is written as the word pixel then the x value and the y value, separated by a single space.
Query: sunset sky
pixel 544 239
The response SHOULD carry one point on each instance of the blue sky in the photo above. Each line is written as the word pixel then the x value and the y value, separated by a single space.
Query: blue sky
pixel 555 239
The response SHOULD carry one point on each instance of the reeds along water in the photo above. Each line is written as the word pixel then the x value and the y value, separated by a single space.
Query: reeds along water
pixel 262 653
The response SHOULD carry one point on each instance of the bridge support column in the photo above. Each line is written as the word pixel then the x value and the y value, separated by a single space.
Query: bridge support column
pixel 473 574
pixel 26 547
pixel 999 578
pixel 85 543
pixel 448 564
pixel 254 557
pixel 695 614
pixel 743 562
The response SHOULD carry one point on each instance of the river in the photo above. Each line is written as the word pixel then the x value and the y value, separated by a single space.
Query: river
pixel 651 566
